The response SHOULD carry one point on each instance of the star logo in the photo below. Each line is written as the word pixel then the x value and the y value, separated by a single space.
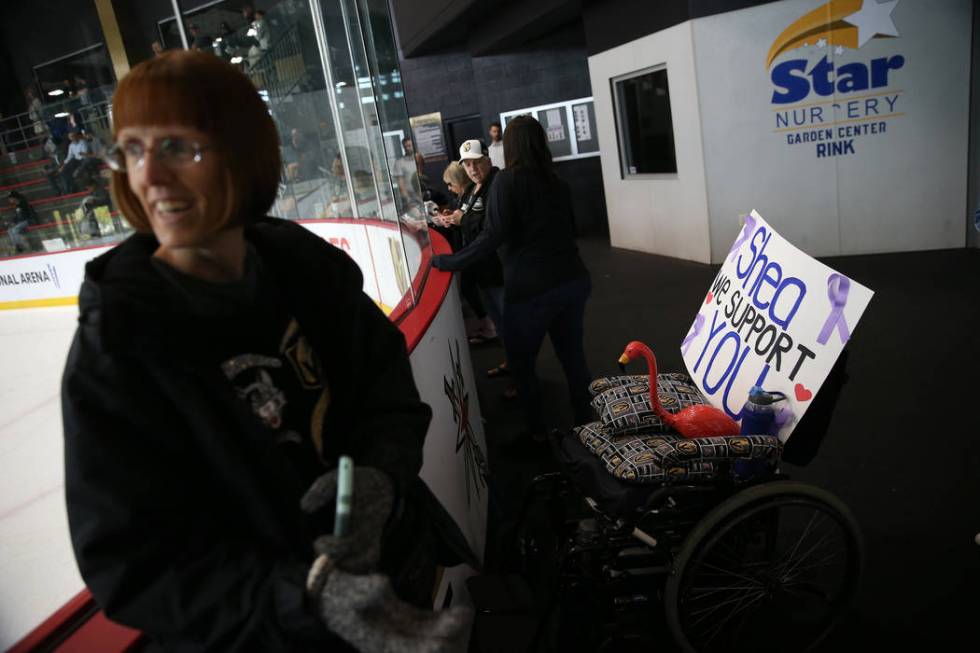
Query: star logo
pixel 474 459
pixel 873 19
pixel 839 23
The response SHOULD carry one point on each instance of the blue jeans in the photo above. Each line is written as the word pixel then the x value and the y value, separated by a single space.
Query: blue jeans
pixel 558 313
pixel 17 238
pixel 493 302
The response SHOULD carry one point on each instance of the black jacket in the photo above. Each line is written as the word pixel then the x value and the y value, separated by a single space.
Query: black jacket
pixel 486 271
pixel 25 213
pixel 530 220
pixel 184 515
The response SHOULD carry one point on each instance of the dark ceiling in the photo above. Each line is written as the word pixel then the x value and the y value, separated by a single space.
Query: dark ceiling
pixel 481 27
pixel 485 27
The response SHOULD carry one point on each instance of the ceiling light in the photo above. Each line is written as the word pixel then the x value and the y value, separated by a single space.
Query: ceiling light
pixel 236 59
pixel 63 114
pixel 56 92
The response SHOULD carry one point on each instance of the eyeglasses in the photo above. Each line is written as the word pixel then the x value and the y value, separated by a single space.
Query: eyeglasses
pixel 171 152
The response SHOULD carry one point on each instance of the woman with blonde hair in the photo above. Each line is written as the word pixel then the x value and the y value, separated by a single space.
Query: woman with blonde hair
pixel 223 363
pixel 457 181
pixel 481 328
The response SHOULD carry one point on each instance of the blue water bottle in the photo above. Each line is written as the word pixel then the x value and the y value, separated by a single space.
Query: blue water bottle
pixel 759 414
pixel 758 418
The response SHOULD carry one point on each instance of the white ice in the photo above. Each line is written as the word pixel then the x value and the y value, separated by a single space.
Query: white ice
pixel 37 568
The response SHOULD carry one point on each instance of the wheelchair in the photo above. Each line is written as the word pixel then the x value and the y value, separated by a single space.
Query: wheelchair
pixel 732 554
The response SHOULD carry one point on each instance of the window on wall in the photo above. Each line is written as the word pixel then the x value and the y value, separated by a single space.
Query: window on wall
pixel 646 131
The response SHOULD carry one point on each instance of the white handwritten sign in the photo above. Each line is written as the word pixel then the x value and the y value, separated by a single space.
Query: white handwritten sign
pixel 773 317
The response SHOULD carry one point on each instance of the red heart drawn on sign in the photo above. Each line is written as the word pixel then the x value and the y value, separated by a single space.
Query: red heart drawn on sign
pixel 707 300
pixel 802 394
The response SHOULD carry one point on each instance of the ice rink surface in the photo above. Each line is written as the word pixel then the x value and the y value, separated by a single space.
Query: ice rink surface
pixel 37 568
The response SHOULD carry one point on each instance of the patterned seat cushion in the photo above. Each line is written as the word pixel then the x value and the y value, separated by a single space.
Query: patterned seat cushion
pixel 623 402
pixel 650 458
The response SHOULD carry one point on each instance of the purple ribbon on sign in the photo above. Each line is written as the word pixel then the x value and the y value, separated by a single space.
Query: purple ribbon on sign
pixel 695 330
pixel 746 232
pixel 838 286
pixel 783 417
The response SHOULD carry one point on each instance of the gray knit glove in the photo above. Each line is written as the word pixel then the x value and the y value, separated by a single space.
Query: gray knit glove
pixel 364 611
pixel 360 550
pixel 360 607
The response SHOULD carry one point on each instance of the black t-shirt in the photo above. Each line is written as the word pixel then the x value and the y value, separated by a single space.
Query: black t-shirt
pixel 473 203
pixel 263 354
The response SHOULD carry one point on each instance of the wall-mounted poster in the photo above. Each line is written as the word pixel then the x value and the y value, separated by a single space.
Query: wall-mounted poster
pixel 429 141
pixel 583 122
pixel 569 127
pixel 555 126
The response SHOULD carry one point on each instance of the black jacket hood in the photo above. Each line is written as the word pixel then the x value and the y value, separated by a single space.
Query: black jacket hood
pixel 128 306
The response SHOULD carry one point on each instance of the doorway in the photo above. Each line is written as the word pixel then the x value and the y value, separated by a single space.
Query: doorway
pixel 462 129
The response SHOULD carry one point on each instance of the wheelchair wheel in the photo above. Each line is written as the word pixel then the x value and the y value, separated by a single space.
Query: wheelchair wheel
pixel 772 568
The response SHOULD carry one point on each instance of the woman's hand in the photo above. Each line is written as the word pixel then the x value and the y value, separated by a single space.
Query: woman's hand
pixel 365 612
pixel 444 219
pixel 449 218
pixel 373 498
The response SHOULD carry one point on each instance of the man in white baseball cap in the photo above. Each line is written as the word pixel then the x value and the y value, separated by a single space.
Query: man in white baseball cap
pixel 470 216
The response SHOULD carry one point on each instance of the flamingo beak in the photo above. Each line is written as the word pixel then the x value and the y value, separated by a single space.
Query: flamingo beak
pixel 623 360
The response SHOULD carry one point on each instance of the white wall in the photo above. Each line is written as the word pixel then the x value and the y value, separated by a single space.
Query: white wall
pixel 901 190
pixel 667 215
pixel 747 166
pixel 455 465
pixel 905 189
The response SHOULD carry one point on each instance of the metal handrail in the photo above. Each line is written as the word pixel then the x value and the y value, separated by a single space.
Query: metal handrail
pixel 265 73
pixel 27 132
pixel 56 105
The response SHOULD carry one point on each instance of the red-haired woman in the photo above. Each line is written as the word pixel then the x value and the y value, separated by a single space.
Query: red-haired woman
pixel 222 364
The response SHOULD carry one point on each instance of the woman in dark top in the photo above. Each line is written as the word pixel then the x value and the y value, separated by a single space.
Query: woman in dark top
pixel 546 284
pixel 223 362
pixel 446 223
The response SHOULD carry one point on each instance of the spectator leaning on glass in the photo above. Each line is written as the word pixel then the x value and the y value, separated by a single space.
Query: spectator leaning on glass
pixel 546 284
pixel 223 362
pixel 481 329
pixel 471 218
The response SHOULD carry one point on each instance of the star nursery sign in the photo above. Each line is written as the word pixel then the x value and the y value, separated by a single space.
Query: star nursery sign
pixel 827 99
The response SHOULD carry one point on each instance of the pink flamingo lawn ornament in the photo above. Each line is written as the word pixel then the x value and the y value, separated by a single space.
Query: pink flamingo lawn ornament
pixel 693 421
